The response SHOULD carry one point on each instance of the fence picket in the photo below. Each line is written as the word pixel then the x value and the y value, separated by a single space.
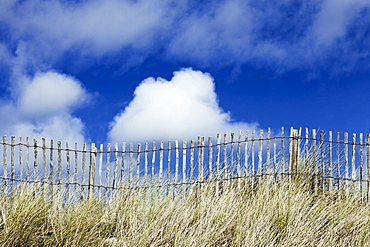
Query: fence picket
pixel 100 171
pixel 51 167
pixel 192 150
pixel 338 159
pixel 218 152
pixel 123 170
pixel 314 161
pixel 346 162
pixel 268 154
pixel 83 172
pixel 246 154
pixel 210 173
pixel 35 162
pixel 154 146
pixel 131 164
pixel 368 165
pixel 361 165
pixel 330 160
pixel 107 171
pixel 115 171
pixel 44 173
pixel 59 166
pixel 12 170
pixel 67 171
pixel 146 165
pixel 5 164
pixel 259 170
pixel 177 155
pixel 224 168
pixel 138 165
pixel 184 147
pixel 252 154
pixel 91 172
pixel 232 162
pixel 20 160
pixel 323 168
pixel 353 160
pixel 75 175
pixel 283 165
pixel 238 165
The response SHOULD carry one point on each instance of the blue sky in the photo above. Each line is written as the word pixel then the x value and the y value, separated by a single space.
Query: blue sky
pixel 144 70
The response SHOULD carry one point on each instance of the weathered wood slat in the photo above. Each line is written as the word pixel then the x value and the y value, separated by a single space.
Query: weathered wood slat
pixel 12 174
pixel 218 155
pixel 260 142
pixel 323 166
pixel 192 151
pixel 59 166
pixel 368 165
pixel 83 173
pixel 154 146
pixel 67 171
pixel 224 169
pixel 115 171
pixel 353 161
pixel 146 163
pixel 20 160
pixel 184 181
pixel 232 162
pixel 314 160
pixel 210 158
pixel 238 164
pixel 330 160
pixel 246 155
pixel 100 171
pixel 44 173
pixel 138 157
pixel 283 165
pixel 360 185
pixel 28 159
pixel 346 161
pixel 268 153
pixel 5 162
pixel 35 162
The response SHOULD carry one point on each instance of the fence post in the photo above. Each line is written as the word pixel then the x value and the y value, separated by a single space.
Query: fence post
pixel 293 152
pixel 92 167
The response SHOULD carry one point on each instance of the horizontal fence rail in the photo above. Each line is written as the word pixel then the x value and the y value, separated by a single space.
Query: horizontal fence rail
pixel 335 161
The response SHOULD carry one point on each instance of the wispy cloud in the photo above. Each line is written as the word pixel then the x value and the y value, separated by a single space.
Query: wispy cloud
pixel 286 34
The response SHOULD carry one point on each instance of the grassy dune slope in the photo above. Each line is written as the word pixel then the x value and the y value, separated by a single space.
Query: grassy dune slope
pixel 271 214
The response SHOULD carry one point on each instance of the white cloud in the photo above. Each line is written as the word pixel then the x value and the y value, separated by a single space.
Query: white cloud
pixel 284 34
pixel 49 94
pixel 41 107
pixel 224 29
pixel 95 27
pixel 333 19
pixel 182 108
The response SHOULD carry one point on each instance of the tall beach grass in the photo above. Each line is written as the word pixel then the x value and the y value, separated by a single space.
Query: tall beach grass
pixel 260 212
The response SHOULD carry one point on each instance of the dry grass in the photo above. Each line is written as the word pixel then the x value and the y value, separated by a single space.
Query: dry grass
pixel 270 214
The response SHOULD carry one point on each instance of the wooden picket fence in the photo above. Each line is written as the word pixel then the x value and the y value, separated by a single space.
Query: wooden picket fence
pixel 88 171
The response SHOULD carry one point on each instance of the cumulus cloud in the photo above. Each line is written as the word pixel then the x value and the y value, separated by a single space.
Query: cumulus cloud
pixel 41 107
pixel 48 94
pixel 182 108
